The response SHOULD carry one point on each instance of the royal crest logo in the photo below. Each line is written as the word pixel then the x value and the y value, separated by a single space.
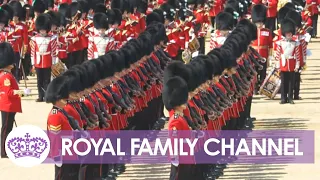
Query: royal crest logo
pixel 27 146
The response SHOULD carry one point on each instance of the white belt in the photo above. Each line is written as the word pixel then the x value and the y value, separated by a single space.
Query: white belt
pixel 42 54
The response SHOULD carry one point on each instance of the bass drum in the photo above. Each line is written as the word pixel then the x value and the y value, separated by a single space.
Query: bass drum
pixel 271 85
pixel 58 69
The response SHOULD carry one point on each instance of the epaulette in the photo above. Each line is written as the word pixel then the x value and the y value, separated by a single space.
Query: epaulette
pixel 124 32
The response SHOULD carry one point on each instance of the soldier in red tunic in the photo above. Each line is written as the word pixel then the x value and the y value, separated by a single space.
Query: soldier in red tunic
pixel 100 43
pixel 43 53
pixel 288 56
pixel 271 6
pixel 4 20
pixel 59 120
pixel 10 101
pixel 300 36
pixel 175 97
pixel 263 45
pixel 224 25
pixel 312 6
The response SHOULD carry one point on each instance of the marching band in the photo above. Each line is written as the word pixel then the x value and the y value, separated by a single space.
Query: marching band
pixel 115 64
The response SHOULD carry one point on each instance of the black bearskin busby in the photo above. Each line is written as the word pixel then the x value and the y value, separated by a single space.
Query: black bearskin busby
pixel 39 6
pixel 57 90
pixel 224 21
pixel 17 9
pixel 288 26
pixel 6 55
pixel 295 17
pixel 175 93
pixel 4 17
pixel 259 13
pixel 100 21
pixel 43 22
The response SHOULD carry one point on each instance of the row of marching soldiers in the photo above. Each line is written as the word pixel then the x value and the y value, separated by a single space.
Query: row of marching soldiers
pixel 119 90
pixel 70 33
pixel 212 92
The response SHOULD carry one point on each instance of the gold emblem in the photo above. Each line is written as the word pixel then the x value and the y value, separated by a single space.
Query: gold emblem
pixel 7 82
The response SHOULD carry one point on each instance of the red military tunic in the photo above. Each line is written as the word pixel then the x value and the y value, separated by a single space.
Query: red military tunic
pixel 264 42
pixel 202 18
pixel 313 8
pixel 43 51
pixel 216 8
pixel 216 40
pixel 173 46
pixel 20 35
pixel 272 9
pixel 9 102
pixel 288 54
pixel 3 35
pixel 99 45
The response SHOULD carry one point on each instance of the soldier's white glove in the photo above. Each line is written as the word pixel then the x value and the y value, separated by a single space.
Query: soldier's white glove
pixel 277 64
pixel 27 91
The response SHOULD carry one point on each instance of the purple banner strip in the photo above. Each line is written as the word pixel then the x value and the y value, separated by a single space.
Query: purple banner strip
pixel 185 147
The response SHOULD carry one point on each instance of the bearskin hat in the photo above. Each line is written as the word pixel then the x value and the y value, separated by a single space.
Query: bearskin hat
pixel 100 21
pixel 43 22
pixel 73 78
pixel 224 21
pixel 153 17
pixel 259 13
pixel 55 17
pixel 39 6
pixel 117 4
pixel 17 9
pixel 282 13
pixel 75 8
pixel 127 6
pixel 143 6
pixel 111 16
pixel 118 16
pixel 4 17
pixel 6 55
pixel 160 13
pixel 175 93
pixel 288 26
pixel 107 66
pixel 57 89
pixel 100 8
pixel 84 6
pixel 64 10
pixel 176 68
pixel 295 17
pixel 290 5
pixel 168 11
pixel 9 10
pixel 30 9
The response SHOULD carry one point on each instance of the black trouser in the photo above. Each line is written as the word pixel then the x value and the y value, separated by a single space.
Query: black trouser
pixel 16 69
pixel 27 64
pixel 287 83
pixel 85 54
pixel 202 45
pixel 183 172
pixel 44 77
pixel 314 25
pixel 271 24
pixel 67 172
pixel 212 18
pixel 90 172
pixel 297 80
pixel 7 125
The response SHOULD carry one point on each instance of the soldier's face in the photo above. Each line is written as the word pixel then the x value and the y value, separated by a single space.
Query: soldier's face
pixel 15 18
pixel 224 32
pixel 259 24
pixel 289 35
pixel 102 31
pixel 1 26
pixel 43 32
pixel 54 28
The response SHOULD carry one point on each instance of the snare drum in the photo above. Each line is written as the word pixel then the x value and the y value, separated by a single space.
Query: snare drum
pixel 271 85
pixel 194 45
pixel 58 69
